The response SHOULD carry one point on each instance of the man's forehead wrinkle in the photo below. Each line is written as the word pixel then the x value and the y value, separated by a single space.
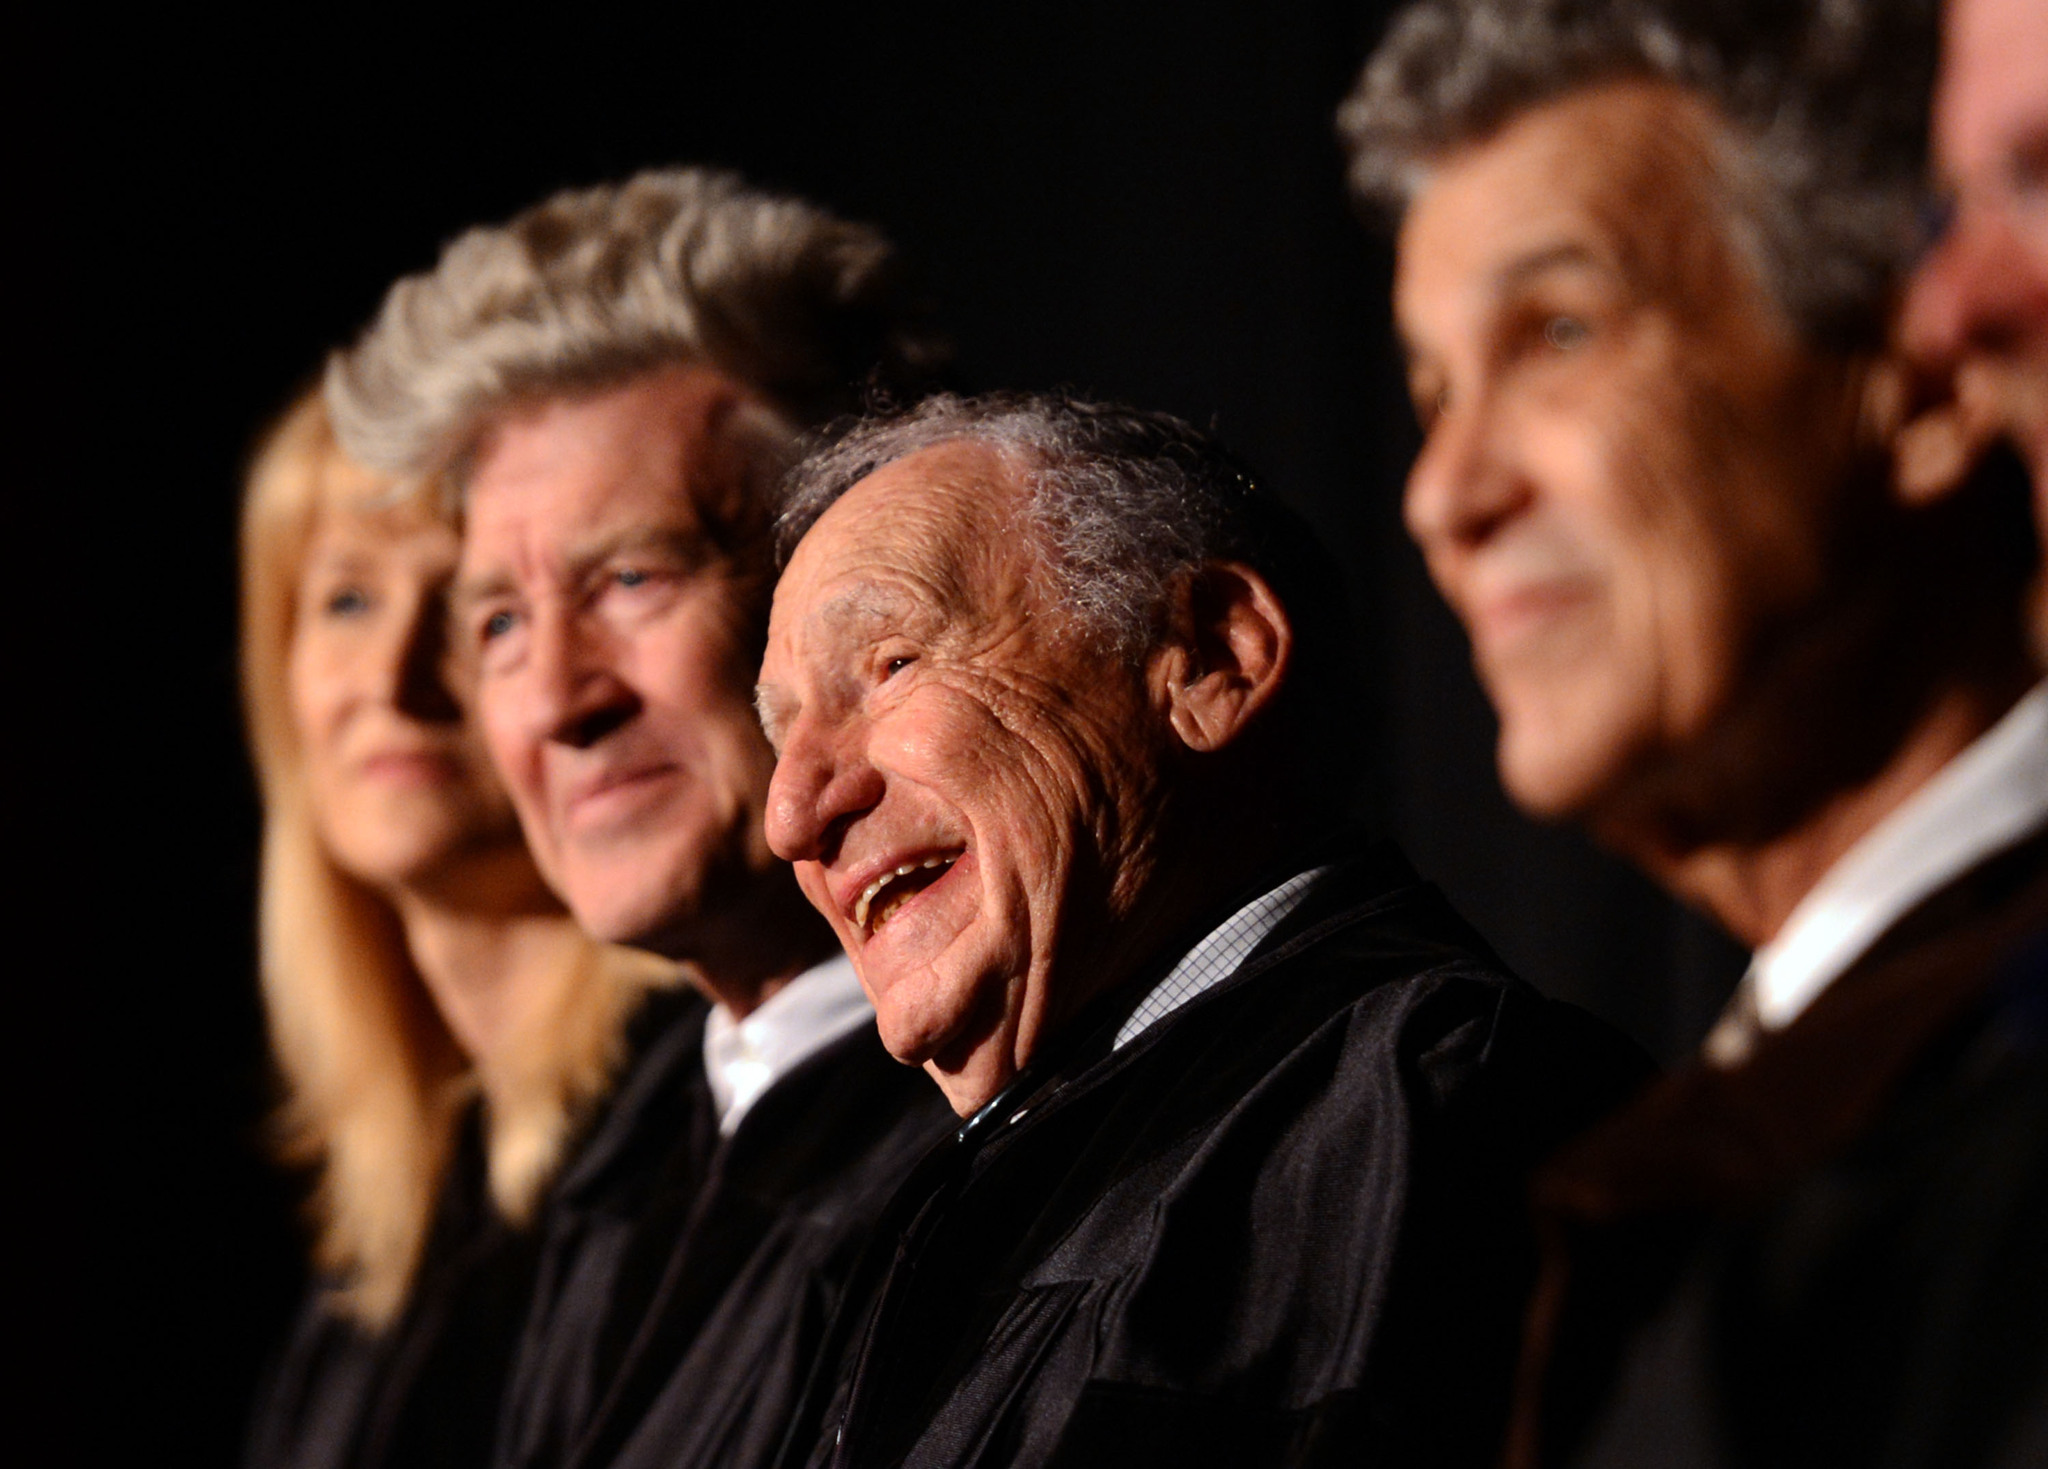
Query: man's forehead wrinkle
pixel 1607 149
pixel 482 587
pixel 930 544
pixel 868 608
pixel 576 556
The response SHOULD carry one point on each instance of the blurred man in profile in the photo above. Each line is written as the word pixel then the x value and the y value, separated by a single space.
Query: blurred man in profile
pixel 1063 716
pixel 614 383
pixel 1744 618
pixel 1978 307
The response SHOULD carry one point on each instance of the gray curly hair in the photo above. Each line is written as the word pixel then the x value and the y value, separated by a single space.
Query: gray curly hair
pixel 594 286
pixel 1827 101
pixel 1124 503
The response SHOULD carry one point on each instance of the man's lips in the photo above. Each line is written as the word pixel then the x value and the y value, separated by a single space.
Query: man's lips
pixel 1500 619
pixel 876 894
pixel 595 793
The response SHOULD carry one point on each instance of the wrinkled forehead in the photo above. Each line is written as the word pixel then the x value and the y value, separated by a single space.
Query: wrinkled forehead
pixel 1624 175
pixel 947 527
pixel 670 449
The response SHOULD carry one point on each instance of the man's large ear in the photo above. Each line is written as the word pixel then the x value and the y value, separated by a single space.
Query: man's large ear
pixel 1929 430
pixel 1228 651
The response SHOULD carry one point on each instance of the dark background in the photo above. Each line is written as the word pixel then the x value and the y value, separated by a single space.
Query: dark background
pixel 1142 202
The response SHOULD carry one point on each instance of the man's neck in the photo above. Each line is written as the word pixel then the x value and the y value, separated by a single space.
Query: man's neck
pixel 1752 886
pixel 1209 852
pixel 758 945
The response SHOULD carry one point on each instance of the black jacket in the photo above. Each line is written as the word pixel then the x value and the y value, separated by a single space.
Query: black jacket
pixel 1285 1224
pixel 686 1279
pixel 1836 1254
pixel 425 1391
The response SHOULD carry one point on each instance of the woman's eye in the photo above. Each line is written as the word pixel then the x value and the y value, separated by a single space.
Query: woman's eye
pixel 1566 332
pixel 631 577
pixel 895 666
pixel 346 602
pixel 497 625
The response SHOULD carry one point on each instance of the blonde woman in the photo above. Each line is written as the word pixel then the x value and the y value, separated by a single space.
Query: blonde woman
pixel 440 1025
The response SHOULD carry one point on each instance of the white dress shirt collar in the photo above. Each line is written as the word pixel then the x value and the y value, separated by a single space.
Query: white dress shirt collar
pixel 744 1058
pixel 1988 798
pixel 1219 954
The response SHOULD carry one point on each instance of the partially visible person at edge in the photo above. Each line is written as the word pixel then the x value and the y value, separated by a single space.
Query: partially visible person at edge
pixel 1978 305
pixel 1746 618
pixel 441 1027
pixel 613 384
pixel 1063 719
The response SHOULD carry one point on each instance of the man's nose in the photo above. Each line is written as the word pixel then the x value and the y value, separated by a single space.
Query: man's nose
pixel 1976 290
pixel 1461 489
pixel 577 691
pixel 420 666
pixel 823 783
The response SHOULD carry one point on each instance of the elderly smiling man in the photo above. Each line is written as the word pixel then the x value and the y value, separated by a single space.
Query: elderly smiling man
pixel 1058 701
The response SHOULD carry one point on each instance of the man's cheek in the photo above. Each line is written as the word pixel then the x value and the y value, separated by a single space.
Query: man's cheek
pixel 811 879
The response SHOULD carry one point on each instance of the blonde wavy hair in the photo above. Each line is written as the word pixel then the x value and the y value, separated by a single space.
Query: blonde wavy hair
pixel 375 1086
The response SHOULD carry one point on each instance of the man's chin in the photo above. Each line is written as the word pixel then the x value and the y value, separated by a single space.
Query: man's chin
pixel 1545 781
pixel 969 1063
pixel 630 915
pixel 975 1083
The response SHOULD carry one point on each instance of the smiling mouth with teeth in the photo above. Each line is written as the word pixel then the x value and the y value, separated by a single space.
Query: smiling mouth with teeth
pixel 900 885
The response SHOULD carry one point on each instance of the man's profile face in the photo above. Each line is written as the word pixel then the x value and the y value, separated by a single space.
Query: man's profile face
pixel 1979 303
pixel 1628 458
pixel 614 641
pixel 964 786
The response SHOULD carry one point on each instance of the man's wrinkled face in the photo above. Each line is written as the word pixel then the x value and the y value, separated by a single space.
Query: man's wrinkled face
pixel 614 640
pixel 1978 305
pixel 964 786
pixel 1628 459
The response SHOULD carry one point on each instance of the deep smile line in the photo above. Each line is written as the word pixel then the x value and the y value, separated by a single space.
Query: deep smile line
pixel 864 904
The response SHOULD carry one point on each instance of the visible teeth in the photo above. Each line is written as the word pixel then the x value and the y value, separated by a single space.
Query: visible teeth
pixel 865 901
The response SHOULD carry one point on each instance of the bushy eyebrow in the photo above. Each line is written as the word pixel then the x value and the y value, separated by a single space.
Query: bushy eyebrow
pixel 774 709
pixel 468 591
pixel 866 611
pixel 1565 255
pixel 685 545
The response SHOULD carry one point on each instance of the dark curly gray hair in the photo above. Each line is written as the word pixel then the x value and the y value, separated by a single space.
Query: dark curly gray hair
pixel 1826 100
pixel 1123 502
pixel 1125 506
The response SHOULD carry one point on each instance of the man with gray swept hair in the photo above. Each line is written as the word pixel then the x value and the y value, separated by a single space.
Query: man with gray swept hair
pixel 1746 616
pixel 1057 694
pixel 611 385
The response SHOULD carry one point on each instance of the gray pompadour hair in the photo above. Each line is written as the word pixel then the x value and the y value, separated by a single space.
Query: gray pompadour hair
pixel 594 286
pixel 1826 100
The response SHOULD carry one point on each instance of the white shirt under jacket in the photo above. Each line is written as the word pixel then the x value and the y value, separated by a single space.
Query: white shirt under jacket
pixel 1219 954
pixel 743 1058
pixel 1991 797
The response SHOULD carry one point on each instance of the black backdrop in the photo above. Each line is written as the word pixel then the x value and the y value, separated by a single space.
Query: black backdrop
pixel 1139 202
